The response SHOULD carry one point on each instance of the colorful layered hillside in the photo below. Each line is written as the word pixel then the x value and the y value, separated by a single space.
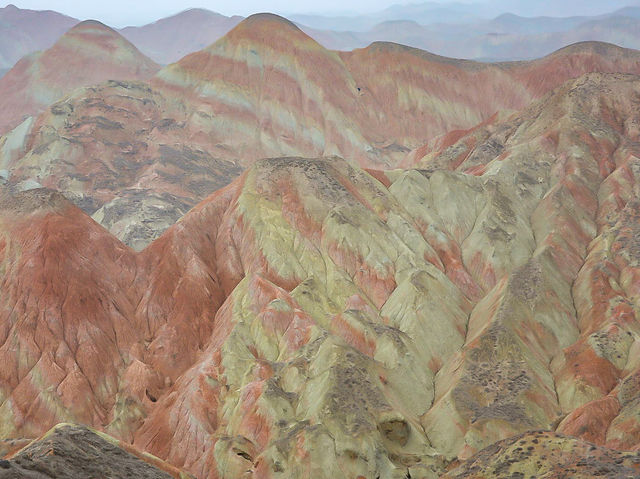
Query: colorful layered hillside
pixel 267 89
pixel 121 150
pixel 313 319
pixel 87 54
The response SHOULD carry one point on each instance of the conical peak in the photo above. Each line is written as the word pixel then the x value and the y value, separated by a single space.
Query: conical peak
pixel 265 25
pixel 92 27
pixel 260 19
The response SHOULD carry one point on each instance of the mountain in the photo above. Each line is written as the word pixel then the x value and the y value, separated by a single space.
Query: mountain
pixel 25 31
pixel 506 37
pixel 89 53
pixel 170 39
pixel 423 13
pixel 316 319
pixel 266 89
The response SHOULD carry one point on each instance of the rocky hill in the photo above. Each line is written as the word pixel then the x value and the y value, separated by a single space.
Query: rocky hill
pixel 70 451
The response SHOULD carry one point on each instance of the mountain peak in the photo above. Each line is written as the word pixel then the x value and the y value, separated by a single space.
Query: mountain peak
pixel 262 24
pixel 265 18
pixel 94 28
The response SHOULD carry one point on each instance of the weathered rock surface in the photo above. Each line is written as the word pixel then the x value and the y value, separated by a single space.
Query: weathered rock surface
pixel 70 452
pixel 122 153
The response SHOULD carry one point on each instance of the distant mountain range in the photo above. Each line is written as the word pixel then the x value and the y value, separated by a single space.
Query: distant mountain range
pixel 471 31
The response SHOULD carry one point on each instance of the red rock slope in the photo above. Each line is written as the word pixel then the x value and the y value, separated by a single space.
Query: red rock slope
pixel 267 89
pixel 89 53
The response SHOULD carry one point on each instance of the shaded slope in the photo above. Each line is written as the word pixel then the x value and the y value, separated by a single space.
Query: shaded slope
pixel 70 451
pixel 87 54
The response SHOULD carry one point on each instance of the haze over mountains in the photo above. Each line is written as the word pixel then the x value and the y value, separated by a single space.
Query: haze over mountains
pixel 495 31
pixel 271 259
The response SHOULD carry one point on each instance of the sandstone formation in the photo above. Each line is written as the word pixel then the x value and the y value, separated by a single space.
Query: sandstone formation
pixel 313 319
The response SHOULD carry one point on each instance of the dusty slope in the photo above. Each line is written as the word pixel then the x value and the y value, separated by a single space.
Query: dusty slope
pixel 315 320
pixel 89 53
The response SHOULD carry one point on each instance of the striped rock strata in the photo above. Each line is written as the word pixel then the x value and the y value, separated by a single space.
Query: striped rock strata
pixel 314 319
pixel 264 90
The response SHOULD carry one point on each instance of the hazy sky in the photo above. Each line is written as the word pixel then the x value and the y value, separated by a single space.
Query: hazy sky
pixel 120 13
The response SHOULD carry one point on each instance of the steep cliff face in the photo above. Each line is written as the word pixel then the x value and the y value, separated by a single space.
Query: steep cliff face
pixel 313 319
pixel 87 54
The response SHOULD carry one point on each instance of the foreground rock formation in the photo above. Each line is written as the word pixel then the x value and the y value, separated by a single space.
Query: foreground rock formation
pixel 70 452
pixel 546 455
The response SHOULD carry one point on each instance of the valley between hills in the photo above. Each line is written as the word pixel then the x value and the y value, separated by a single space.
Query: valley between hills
pixel 274 260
